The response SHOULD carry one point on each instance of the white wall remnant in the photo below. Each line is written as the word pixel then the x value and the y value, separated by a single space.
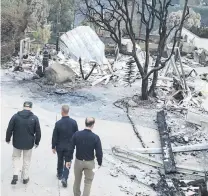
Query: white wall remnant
pixel 24 48
pixel 196 40
pixel 197 118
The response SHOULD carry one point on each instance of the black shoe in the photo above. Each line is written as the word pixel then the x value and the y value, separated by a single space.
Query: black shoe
pixel 64 183
pixel 59 176
pixel 25 181
pixel 14 180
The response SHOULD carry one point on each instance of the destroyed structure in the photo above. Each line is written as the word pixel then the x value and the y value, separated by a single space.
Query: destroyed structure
pixel 182 92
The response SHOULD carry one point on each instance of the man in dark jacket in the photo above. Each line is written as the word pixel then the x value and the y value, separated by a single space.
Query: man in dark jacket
pixel 86 142
pixel 25 129
pixel 62 135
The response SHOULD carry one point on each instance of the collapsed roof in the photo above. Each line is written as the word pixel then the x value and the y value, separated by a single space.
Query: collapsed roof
pixel 82 42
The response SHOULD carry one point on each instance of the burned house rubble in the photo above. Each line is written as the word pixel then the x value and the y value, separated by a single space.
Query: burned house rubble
pixel 175 162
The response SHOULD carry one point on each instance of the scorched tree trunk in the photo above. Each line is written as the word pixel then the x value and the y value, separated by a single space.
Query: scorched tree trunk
pixel 144 89
pixel 152 92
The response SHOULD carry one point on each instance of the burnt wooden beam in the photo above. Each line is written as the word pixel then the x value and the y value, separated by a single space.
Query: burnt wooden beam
pixel 168 158
pixel 166 186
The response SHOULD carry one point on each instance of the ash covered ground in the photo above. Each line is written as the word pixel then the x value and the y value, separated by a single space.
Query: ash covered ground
pixel 113 126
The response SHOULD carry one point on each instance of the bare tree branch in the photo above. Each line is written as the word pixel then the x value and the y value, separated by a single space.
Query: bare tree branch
pixel 113 16
pixel 81 69
pixel 173 47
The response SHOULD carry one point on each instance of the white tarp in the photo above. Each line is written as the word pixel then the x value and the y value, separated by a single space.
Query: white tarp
pixel 83 42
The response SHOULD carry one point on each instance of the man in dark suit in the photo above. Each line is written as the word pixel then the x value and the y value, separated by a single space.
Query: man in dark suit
pixel 62 135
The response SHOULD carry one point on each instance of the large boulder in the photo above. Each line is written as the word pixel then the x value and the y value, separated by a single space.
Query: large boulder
pixel 59 73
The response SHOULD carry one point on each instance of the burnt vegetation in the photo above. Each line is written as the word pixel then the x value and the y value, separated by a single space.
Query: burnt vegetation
pixel 113 16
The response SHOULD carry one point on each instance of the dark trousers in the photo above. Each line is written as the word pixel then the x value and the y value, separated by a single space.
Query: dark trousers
pixel 62 170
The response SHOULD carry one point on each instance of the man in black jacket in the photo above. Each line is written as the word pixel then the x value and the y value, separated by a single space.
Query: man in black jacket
pixel 25 129
pixel 86 143
pixel 62 135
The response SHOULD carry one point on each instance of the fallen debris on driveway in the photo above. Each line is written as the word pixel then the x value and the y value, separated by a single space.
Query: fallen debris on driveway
pixel 196 117
pixel 168 157
pixel 124 154
pixel 188 148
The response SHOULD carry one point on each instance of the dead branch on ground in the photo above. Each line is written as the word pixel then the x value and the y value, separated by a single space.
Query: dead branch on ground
pixel 126 109
pixel 81 70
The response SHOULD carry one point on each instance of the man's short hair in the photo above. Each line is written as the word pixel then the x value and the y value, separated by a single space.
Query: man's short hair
pixel 27 104
pixel 65 109
pixel 89 121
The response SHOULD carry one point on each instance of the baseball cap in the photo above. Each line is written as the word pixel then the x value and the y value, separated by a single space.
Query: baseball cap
pixel 27 104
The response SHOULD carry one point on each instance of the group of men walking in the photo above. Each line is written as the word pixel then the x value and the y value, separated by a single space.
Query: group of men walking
pixel 24 127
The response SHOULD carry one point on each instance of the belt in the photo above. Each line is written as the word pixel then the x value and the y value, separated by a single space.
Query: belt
pixel 84 160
